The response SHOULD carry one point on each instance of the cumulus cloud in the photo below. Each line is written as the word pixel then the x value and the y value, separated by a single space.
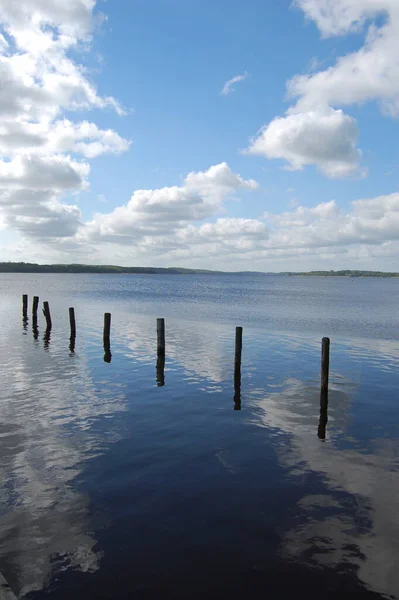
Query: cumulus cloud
pixel 371 73
pixel 39 148
pixel 42 138
pixel 153 212
pixel 368 74
pixel 323 137
pixel 374 221
pixel 165 226
pixel 230 83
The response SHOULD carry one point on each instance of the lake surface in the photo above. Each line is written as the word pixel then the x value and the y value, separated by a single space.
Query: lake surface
pixel 116 486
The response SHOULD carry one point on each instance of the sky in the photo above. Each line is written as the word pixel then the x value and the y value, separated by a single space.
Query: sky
pixel 214 134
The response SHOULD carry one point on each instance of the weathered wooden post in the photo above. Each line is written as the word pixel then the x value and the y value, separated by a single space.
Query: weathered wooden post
pixel 160 336
pixel 106 338
pixel 46 312
pixel 325 366
pixel 25 306
pixel 237 369
pixel 107 327
pixel 35 306
pixel 72 322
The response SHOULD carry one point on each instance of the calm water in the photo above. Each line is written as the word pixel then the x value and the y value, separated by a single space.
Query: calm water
pixel 113 486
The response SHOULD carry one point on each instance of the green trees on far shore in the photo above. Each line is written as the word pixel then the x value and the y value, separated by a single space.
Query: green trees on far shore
pixel 23 267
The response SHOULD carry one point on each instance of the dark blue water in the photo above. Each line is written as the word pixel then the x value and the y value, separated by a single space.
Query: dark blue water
pixel 113 486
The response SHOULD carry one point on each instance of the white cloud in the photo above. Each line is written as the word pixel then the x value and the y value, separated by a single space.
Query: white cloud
pixel 158 227
pixel 57 173
pixel 325 137
pixel 374 221
pixel 156 212
pixel 39 148
pixel 368 74
pixel 343 16
pixel 371 73
pixel 43 138
pixel 229 85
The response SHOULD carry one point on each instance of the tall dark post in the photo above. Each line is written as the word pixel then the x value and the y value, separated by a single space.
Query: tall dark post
pixel 25 313
pixel 237 369
pixel 107 327
pixel 160 336
pixel 160 352
pixel 35 306
pixel 72 322
pixel 46 312
pixel 106 337
pixel 325 366
pixel 25 306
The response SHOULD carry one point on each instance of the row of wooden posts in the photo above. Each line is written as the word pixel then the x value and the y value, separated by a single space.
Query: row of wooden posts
pixel 160 368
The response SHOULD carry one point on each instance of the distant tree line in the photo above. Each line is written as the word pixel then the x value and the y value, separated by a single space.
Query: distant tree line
pixel 347 273
pixel 23 267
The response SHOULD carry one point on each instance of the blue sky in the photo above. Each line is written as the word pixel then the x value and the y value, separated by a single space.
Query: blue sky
pixel 114 104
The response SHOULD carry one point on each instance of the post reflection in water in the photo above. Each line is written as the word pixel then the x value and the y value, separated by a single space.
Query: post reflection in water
pixel 107 350
pixel 35 329
pixel 25 322
pixel 160 369
pixel 237 389
pixel 47 338
pixel 72 340
pixel 321 431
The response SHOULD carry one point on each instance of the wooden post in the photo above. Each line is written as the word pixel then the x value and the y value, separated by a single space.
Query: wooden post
pixel 325 365
pixel 237 369
pixel 35 306
pixel 72 322
pixel 46 312
pixel 160 336
pixel 107 327
pixel 106 336
pixel 25 306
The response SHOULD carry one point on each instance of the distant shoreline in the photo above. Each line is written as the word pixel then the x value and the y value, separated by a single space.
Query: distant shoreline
pixel 12 267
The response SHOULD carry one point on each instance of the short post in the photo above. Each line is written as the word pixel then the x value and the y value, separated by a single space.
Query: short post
pixel 106 338
pixel 237 369
pixel 72 322
pixel 35 306
pixel 46 312
pixel 325 366
pixel 25 306
pixel 160 336
pixel 107 327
